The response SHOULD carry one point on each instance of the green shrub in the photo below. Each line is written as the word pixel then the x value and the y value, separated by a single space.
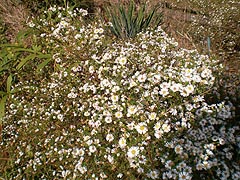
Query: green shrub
pixel 131 109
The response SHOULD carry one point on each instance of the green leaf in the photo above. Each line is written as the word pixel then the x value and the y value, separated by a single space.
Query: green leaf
pixel 9 45
pixel 2 93
pixel 43 64
pixel 37 49
pixel 9 83
pixel 23 34
pixel 2 108
pixel 3 64
pixel 24 50
pixel 116 26
pixel 25 60
pixel 43 56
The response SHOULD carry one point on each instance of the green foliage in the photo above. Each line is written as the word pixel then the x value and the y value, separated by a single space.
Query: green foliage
pixel 127 23
pixel 13 59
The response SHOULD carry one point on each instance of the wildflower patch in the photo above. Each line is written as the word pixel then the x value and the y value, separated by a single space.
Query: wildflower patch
pixel 132 109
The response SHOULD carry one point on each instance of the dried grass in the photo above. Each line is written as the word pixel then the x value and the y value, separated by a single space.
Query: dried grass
pixel 14 16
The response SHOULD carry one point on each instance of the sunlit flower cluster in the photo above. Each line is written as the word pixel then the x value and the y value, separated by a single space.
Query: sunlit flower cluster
pixel 131 109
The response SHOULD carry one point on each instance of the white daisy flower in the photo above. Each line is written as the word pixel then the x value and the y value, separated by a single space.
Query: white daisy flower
pixel 115 89
pixel 133 152
pixel 132 83
pixel 158 134
pixel 199 166
pixel 166 127
pixel 153 174
pixel 108 119
pixel 178 149
pixel 165 85
pixel 84 12
pixel 120 175
pixel 196 78
pixel 107 56
pixel 72 95
pixel 118 114
pixel 98 30
pixel 92 149
pixel 189 88
pixel 91 69
pixel 77 36
pixel 176 87
pixel 81 152
pixel 114 98
pixel 184 176
pixel 131 125
pixel 152 116
pixel 122 142
pixel 142 78
pixel 157 126
pixel 60 117
pixel 122 60
pixel 184 93
pixel 86 113
pixel 132 109
pixel 105 83
pixel 141 128
pixel 106 113
pixel 109 137
pixel 206 73
pixel 164 92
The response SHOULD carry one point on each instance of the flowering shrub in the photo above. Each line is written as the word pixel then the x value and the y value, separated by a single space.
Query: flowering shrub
pixel 118 110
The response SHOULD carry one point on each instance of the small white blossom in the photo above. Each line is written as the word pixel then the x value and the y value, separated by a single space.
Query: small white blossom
pixel 121 60
pixel 142 78
pixel 141 128
pixel 118 114
pixel 109 137
pixel 166 128
pixel 152 116
pixel 122 142
pixel 133 152
pixel 178 149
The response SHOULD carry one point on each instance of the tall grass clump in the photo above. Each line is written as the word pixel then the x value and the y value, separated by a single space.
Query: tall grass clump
pixel 13 16
pixel 128 23
pixel 114 109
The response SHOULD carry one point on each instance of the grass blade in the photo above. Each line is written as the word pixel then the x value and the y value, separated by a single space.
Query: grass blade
pixel 2 108
pixel 25 60
pixel 43 64
pixel 2 93
pixel 9 83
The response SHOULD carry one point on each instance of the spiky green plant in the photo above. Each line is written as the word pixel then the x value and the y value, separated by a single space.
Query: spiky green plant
pixel 127 23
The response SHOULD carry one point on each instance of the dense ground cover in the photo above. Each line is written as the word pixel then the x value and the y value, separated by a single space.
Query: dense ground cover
pixel 97 107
